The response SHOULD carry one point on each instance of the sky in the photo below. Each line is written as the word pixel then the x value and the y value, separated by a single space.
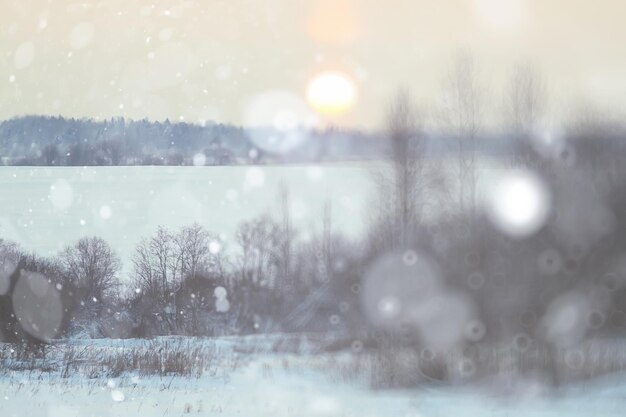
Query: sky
pixel 242 61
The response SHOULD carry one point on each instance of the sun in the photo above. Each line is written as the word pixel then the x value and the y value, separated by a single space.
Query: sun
pixel 331 93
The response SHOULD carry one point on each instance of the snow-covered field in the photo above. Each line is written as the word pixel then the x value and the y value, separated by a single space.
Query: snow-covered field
pixel 47 208
pixel 260 376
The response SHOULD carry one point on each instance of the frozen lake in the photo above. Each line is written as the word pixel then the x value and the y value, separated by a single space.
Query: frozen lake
pixel 46 208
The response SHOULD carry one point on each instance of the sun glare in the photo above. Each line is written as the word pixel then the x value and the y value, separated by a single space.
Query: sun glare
pixel 331 93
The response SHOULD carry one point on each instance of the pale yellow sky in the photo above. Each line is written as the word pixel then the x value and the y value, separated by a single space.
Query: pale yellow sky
pixel 209 59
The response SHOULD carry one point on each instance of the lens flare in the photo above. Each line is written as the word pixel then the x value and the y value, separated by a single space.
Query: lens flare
pixel 331 93
pixel 519 204
pixel 277 121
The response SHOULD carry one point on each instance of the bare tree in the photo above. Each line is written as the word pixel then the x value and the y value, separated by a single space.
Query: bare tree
pixel 327 249
pixel 157 265
pixel 259 240
pixel 163 262
pixel 144 274
pixel 404 188
pixel 285 258
pixel 166 263
pixel 525 100
pixel 463 117
pixel 91 265
pixel 192 249
pixel 407 151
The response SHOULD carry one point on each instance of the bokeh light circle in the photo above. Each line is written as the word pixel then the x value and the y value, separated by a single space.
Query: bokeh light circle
pixel 519 204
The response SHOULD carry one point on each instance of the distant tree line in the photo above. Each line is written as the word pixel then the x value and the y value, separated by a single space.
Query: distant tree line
pixel 58 141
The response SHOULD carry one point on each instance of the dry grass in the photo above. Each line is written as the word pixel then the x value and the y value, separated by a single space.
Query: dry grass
pixel 405 367
pixel 162 358
pixel 380 368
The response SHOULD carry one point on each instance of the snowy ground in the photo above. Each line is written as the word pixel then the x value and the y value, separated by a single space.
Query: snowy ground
pixel 249 378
